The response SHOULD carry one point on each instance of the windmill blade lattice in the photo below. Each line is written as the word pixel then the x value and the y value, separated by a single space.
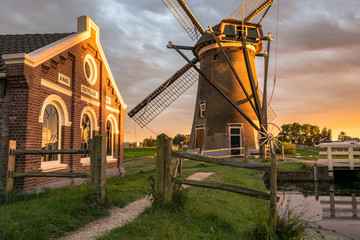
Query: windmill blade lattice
pixel 164 95
pixel 271 115
pixel 251 8
pixel 185 17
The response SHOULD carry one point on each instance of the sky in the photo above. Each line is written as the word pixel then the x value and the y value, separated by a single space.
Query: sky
pixel 317 71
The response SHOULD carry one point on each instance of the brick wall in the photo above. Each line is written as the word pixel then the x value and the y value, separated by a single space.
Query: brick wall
pixel 26 98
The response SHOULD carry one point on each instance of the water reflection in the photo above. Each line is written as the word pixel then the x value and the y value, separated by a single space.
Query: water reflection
pixel 332 206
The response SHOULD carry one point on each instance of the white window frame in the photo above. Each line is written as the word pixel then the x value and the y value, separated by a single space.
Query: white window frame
pixel 202 110
pixel 93 69
pixel 114 127
pixel 61 108
pixel 235 125
pixel 93 127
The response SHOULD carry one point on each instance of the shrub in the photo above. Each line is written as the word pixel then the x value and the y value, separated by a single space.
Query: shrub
pixel 287 151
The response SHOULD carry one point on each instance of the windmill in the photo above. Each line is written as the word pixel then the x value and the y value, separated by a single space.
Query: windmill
pixel 230 107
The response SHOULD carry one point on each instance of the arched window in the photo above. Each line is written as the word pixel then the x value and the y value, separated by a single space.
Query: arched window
pixel 50 132
pixel 86 131
pixel 109 138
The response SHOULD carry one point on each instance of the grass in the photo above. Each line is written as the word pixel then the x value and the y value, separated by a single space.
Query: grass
pixel 55 212
pixel 138 152
pixel 209 214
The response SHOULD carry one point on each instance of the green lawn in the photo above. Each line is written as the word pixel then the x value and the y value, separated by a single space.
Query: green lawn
pixel 209 214
pixel 51 214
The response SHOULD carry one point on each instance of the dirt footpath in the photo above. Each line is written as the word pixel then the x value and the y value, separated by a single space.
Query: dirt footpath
pixel 119 216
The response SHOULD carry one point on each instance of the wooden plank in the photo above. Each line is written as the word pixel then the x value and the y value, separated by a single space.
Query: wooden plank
pixel 50 174
pixel 273 193
pixel 224 187
pixel 221 161
pixel 98 167
pixel 43 152
pixel 159 183
pixel 168 170
pixel 11 167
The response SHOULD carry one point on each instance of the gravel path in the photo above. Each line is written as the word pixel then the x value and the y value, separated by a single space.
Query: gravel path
pixel 119 216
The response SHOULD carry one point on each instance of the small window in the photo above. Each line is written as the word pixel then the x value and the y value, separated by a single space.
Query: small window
pixel 109 138
pixel 50 133
pixel 90 70
pixel 202 108
pixel 216 57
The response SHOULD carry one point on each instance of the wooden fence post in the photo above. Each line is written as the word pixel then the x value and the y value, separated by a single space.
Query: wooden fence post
pixel 273 190
pixel 246 150
pixel 10 167
pixel 98 167
pixel 163 169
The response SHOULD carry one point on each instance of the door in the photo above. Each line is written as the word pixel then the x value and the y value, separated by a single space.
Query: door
pixel 199 137
pixel 235 140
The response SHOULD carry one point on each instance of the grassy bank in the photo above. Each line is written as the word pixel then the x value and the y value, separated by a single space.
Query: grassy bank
pixel 209 214
pixel 55 212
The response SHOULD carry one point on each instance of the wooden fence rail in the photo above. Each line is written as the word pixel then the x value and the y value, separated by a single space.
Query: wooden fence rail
pixel 221 161
pixel 350 150
pixel 165 175
pixel 97 173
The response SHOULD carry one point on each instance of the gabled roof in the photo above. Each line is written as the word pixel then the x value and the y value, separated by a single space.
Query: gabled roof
pixel 26 43
pixel 46 51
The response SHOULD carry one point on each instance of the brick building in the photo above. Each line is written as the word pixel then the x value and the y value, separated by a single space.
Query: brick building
pixel 57 92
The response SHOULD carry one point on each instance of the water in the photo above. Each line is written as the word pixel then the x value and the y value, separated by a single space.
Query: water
pixel 333 206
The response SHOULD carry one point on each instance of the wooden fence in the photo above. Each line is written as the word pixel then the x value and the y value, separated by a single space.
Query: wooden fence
pixel 341 149
pixel 166 175
pixel 97 152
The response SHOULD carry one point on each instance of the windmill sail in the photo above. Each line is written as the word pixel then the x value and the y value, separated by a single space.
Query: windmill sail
pixel 250 9
pixel 185 17
pixel 164 95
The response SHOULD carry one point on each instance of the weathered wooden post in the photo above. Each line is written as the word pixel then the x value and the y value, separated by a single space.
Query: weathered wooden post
pixel 246 154
pixel 10 167
pixel 163 169
pixel 273 191
pixel 98 167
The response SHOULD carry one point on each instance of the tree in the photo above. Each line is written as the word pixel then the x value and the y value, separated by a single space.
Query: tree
pixel 343 137
pixel 181 138
pixel 149 142
pixel 305 134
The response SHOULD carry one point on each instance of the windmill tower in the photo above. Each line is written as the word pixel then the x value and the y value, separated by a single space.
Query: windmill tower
pixel 228 108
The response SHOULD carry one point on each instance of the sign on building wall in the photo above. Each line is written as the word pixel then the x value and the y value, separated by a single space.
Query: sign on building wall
pixel 89 91
pixel 64 79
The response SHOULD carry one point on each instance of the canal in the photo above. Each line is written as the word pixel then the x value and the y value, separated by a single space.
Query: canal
pixel 333 206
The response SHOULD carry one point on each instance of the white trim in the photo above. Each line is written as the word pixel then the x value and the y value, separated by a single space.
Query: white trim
pixel 53 167
pixel 60 105
pixel 2 75
pixel 112 119
pixel 112 109
pixel 108 100
pixel 55 87
pixel 85 24
pixel 90 92
pixel 85 161
pixel 62 76
pixel 88 100
pixel 110 159
pixel 226 44
pixel 93 69
pixel 92 115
